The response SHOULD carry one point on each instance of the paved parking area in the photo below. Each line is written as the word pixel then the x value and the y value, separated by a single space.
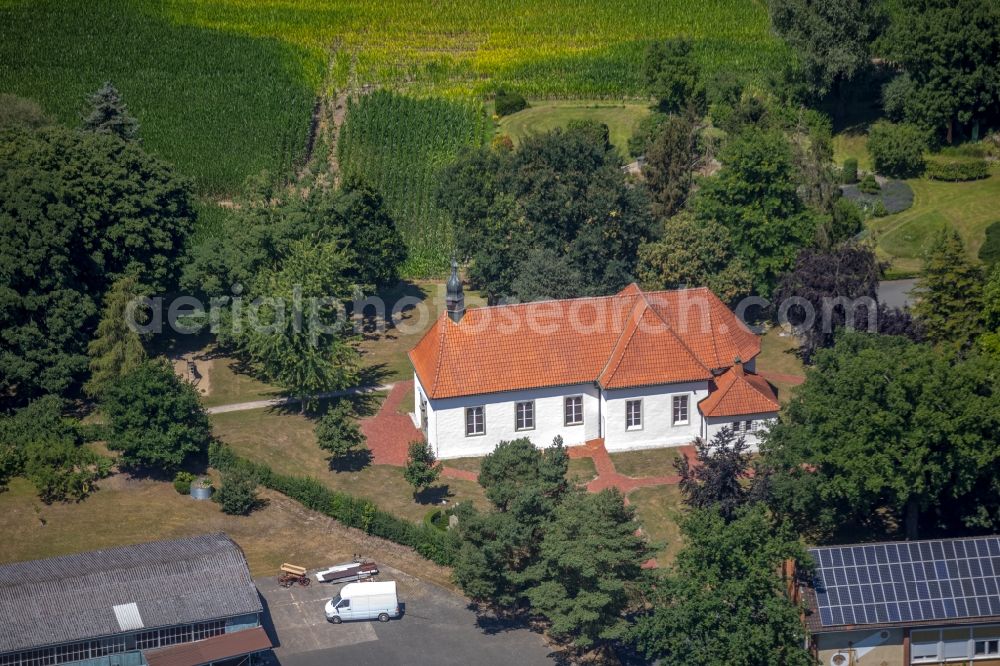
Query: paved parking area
pixel 436 628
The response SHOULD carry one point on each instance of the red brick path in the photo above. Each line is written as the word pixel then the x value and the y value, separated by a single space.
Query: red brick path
pixel 389 434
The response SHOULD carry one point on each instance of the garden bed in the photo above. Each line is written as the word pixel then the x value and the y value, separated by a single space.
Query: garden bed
pixel 895 195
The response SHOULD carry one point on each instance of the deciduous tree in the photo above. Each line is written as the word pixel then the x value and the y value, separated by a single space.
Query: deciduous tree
pixel 673 78
pixel 950 50
pixel 723 602
pixel 77 212
pixel 882 432
pixel 155 418
pixel 833 40
pixel 754 196
pixel 721 476
pixel 694 253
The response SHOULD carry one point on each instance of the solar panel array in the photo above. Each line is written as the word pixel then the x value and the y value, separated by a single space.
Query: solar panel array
pixel 908 582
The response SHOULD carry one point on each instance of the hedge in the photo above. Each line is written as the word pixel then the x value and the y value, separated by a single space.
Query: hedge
pixel 957 170
pixel 430 542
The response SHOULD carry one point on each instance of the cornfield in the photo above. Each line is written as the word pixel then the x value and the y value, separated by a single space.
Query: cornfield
pixel 399 145
pixel 545 48
pixel 224 89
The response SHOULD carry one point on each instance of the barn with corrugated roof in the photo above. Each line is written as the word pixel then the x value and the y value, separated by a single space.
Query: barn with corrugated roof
pixel 183 602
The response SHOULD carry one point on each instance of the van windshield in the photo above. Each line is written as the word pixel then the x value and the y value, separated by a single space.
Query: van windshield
pixel 335 601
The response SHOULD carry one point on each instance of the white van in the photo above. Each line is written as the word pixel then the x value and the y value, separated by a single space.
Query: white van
pixel 364 601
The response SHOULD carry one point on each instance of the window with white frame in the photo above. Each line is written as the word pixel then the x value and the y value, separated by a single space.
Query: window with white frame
pixel 987 648
pixel 633 415
pixel 573 409
pixel 524 415
pixel 744 426
pixel 475 421
pixel 680 410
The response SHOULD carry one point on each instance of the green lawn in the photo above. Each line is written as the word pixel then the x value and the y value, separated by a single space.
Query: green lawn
pixel 287 444
pixel 145 510
pixel 542 116
pixel 229 385
pixel 648 462
pixel 852 143
pixel 968 207
pixel 656 509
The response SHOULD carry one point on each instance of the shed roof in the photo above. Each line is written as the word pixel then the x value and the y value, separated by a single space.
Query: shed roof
pixel 93 594
pixel 209 650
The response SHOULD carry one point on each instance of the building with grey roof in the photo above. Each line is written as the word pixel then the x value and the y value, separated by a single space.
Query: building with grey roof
pixel 119 606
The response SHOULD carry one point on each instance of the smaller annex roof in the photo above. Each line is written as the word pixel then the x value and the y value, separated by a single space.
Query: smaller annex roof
pixel 738 393
pixel 210 650
pixel 106 592
pixel 633 338
pixel 907 583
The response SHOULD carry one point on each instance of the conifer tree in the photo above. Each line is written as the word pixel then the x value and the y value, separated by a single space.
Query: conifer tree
pixel 116 348
pixel 110 115
pixel 950 292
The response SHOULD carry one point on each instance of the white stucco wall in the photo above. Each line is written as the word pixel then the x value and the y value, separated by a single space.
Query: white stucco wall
pixel 713 425
pixel 446 419
pixel 657 421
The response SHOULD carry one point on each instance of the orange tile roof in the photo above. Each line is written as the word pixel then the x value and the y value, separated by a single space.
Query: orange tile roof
pixel 630 339
pixel 738 393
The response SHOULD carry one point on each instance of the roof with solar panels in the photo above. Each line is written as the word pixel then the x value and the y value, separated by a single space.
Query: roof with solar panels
pixel 911 583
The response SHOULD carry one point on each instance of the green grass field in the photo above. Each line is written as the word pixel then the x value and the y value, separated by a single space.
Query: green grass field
pixel 968 207
pixel 542 116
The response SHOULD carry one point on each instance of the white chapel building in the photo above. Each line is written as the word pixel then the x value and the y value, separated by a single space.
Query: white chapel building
pixel 636 369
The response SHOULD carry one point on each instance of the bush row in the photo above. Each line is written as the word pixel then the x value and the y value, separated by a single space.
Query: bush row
pixel 957 170
pixel 432 543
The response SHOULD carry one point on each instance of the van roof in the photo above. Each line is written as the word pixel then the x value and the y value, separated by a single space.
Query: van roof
pixel 365 589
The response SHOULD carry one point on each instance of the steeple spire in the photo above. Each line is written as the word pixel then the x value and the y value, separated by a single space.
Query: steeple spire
pixel 455 297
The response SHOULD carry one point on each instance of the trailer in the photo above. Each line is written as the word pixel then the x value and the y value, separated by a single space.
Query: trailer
pixel 347 572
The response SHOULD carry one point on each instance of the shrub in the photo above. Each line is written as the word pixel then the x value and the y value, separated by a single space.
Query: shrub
pixel 879 209
pixel 989 253
pixel 897 150
pixel 846 221
pixel 850 173
pixel 869 185
pixel 338 432
pixel 238 494
pixel 958 170
pixel 183 481
pixel 507 103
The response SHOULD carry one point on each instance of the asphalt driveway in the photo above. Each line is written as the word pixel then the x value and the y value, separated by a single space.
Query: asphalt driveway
pixel 436 628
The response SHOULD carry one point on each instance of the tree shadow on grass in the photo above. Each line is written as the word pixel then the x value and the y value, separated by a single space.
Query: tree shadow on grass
pixel 433 495
pixel 353 462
